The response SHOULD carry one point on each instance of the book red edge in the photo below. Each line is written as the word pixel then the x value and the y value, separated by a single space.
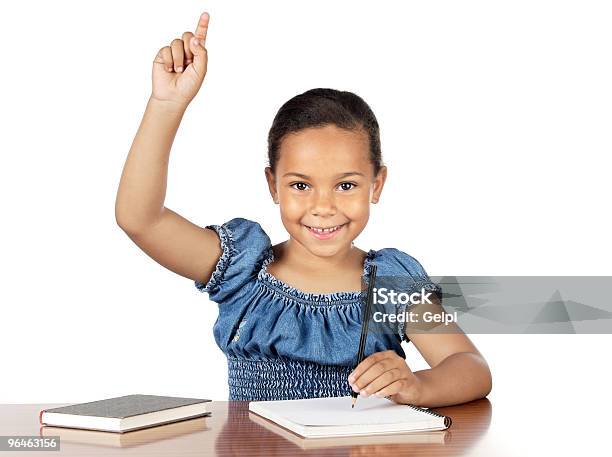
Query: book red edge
pixel 40 416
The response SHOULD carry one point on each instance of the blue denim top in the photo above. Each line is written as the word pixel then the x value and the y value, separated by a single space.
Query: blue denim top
pixel 282 343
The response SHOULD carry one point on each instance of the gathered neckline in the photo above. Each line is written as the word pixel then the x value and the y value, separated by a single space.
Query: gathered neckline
pixel 312 298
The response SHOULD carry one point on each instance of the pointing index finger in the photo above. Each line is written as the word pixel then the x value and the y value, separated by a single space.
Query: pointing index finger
pixel 202 28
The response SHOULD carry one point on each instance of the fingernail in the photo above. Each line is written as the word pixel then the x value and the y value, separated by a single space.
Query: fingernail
pixel 169 69
pixel 351 378
pixel 363 393
pixel 196 42
pixel 188 61
pixel 355 388
pixel 179 69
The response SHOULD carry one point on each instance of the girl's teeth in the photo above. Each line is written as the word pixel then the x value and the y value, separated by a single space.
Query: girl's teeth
pixel 333 229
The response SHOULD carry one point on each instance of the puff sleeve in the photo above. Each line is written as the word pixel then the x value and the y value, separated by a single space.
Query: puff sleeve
pixel 244 245
pixel 413 277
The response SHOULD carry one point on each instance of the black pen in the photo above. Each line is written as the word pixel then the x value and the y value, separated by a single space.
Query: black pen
pixel 364 323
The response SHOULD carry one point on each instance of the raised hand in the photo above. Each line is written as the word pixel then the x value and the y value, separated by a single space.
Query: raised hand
pixel 179 69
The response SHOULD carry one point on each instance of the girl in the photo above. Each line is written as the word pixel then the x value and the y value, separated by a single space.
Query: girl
pixel 289 314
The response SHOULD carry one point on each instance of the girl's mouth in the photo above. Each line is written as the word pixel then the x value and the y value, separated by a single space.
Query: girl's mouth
pixel 325 234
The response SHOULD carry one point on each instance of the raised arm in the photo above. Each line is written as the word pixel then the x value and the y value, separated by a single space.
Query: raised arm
pixel 168 238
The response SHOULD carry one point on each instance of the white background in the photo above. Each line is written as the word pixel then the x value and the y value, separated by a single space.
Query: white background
pixel 495 125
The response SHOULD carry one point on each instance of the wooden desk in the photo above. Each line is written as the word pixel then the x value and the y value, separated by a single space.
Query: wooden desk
pixel 232 430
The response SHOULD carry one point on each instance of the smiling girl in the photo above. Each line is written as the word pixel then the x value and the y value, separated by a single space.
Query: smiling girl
pixel 290 314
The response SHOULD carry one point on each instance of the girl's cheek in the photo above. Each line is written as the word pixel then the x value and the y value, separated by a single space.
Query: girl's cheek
pixel 291 205
pixel 357 208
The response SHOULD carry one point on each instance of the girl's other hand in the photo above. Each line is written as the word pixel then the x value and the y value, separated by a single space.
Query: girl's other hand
pixel 179 69
pixel 386 374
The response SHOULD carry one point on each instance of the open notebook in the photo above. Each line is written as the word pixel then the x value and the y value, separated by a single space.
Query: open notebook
pixel 333 416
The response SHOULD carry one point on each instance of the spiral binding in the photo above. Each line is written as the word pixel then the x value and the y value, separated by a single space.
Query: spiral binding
pixel 447 420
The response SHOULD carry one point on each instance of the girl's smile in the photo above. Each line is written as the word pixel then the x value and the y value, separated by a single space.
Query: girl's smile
pixel 325 233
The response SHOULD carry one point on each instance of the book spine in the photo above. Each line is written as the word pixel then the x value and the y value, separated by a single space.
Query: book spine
pixel 40 416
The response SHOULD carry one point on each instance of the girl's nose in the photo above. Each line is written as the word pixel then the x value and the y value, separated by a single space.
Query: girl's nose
pixel 322 204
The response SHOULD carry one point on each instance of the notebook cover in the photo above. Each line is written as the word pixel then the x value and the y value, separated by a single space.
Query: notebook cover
pixel 126 406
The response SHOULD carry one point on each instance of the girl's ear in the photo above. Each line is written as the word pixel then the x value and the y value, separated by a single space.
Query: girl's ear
pixel 379 182
pixel 271 184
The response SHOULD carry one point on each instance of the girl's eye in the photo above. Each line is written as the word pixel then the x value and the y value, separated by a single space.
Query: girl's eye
pixel 349 184
pixel 299 184
pixel 303 186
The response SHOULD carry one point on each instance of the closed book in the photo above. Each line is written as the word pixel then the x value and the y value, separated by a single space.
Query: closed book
pixel 189 429
pixel 123 414
pixel 333 416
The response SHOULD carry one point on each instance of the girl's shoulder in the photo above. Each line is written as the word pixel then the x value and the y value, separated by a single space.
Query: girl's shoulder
pixel 393 260
pixel 244 247
pixel 242 232
pixel 401 266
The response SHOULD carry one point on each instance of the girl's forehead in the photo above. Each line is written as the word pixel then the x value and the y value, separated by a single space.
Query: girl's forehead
pixel 324 150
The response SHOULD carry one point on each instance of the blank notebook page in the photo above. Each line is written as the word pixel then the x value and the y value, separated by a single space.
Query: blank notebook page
pixel 338 411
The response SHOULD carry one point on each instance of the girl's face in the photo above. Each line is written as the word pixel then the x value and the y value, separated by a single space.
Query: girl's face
pixel 324 179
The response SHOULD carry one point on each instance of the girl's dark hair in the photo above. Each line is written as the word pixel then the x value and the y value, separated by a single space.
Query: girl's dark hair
pixel 320 107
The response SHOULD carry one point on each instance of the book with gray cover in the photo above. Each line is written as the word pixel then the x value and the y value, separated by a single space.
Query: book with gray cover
pixel 123 414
